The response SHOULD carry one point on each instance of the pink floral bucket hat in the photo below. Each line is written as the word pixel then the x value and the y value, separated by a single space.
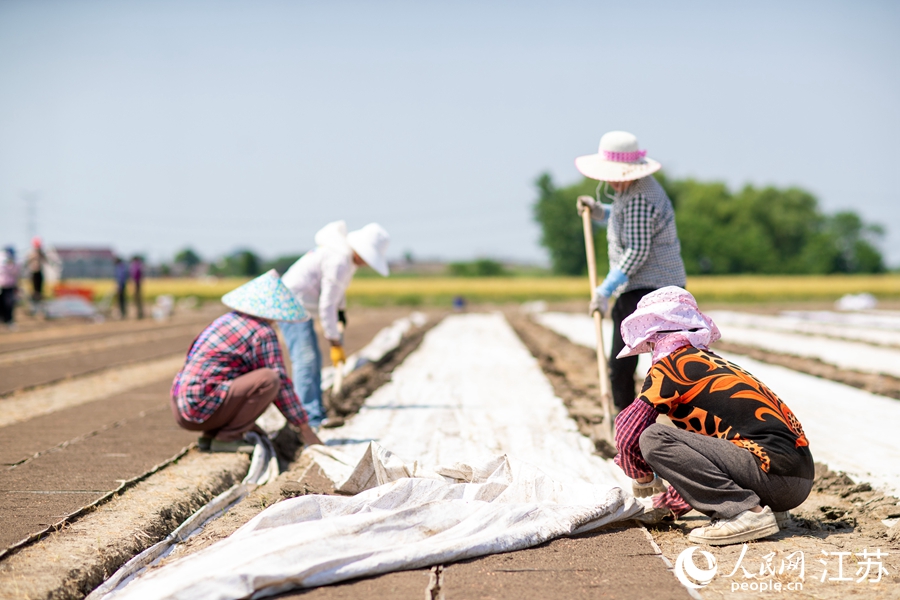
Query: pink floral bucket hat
pixel 266 297
pixel 664 321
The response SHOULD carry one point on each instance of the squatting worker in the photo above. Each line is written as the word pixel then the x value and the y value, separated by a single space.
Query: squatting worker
pixel 319 280
pixel 235 369
pixel 644 252
pixel 737 452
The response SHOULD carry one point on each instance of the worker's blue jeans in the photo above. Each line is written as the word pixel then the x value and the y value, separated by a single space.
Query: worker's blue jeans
pixel 306 364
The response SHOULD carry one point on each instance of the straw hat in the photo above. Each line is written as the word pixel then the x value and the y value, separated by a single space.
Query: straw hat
pixel 371 244
pixel 619 159
pixel 266 297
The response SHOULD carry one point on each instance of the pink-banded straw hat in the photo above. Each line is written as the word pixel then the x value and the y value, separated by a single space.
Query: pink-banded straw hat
pixel 619 159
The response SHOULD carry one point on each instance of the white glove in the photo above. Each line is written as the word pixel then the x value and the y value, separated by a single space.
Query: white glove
pixel 599 303
pixel 645 490
pixel 586 202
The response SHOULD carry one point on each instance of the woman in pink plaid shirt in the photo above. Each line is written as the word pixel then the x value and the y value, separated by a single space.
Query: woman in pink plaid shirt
pixel 235 369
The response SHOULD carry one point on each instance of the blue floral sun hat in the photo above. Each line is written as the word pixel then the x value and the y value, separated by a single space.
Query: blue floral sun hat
pixel 266 297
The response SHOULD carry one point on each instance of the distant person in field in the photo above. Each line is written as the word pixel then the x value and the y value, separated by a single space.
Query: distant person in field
pixel 235 369
pixel 319 280
pixel 737 453
pixel 644 251
pixel 34 264
pixel 121 275
pixel 9 287
pixel 136 269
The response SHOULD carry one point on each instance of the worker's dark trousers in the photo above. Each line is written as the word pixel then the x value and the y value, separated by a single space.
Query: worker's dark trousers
pixel 248 396
pixel 122 300
pixel 716 477
pixel 7 304
pixel 138 299
pixel 621 370
pixel 37 286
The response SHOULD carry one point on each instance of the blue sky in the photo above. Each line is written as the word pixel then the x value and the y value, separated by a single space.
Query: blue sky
pixel 150 126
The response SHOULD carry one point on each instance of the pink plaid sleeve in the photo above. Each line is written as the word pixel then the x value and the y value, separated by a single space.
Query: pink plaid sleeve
pixel 630 424
pixel 269 355
pixel 672 500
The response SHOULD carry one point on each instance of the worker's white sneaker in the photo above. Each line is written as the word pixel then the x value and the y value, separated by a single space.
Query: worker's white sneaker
pixel 783 518
pixel 745 527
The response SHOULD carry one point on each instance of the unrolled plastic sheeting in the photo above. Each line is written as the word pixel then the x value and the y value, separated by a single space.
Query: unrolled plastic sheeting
pixel 879 331
pixel 384 341
pixel 579 328
pixel 881 319
pixel 515 473
pixel 69 306
pixel 845 354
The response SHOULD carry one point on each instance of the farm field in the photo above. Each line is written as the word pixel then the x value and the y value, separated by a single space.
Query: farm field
pixel 424 291
pixel 458 397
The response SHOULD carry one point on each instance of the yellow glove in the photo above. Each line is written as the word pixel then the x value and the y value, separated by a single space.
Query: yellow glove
pixel 337 355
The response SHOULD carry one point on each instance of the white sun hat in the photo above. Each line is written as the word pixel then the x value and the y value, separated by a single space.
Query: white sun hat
pixel 371 244
pixel 619 159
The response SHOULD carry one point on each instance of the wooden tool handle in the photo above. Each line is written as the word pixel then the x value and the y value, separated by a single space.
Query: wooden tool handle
pixel 598 326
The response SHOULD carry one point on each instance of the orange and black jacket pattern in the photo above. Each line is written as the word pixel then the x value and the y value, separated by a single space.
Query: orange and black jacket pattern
pixel 706 394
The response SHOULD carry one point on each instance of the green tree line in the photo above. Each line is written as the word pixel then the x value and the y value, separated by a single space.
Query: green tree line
pixel 754 230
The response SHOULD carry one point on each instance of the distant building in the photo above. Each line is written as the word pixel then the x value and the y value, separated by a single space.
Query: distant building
pixel 87 263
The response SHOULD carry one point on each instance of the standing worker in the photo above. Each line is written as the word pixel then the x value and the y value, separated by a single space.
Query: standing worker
pixel 34 263
pixel 9 287
pixel 137 276
pixel 644 252
pixel 234 370
pixel 121 274
pixel 319 280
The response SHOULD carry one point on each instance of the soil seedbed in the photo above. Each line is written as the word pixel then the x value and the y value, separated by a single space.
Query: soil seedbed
pixel 76 558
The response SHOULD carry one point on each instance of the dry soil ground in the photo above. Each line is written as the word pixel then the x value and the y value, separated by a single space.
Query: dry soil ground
pixel 66 458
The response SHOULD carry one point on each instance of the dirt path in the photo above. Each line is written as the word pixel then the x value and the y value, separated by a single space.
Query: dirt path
pixel 839 516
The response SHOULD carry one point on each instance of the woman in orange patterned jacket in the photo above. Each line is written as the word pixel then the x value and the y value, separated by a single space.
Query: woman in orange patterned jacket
pixel 737 453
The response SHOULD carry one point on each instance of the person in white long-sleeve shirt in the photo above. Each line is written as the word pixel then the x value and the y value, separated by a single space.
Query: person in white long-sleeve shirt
pixel 320 280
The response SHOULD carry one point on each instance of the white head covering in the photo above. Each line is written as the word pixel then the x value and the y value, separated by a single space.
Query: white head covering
pixel 371 244
pixel 619 159
pixel 669 319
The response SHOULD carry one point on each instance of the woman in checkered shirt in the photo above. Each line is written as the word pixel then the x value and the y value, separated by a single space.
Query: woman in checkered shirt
pixel 644 251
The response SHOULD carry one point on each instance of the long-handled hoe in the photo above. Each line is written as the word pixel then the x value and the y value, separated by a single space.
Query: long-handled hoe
pixel 609 447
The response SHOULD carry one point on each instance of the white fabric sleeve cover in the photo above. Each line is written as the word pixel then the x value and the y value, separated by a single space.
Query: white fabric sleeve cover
pixel 336 274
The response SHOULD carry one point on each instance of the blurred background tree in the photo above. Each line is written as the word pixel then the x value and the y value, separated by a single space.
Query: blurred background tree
pixel 240 263
pixel 756 230
pixel 561 227
pixel 188 259
pixel 281 264
pixel 483 267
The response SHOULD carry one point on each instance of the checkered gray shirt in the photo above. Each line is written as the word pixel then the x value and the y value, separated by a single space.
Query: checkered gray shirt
pixel 643 242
